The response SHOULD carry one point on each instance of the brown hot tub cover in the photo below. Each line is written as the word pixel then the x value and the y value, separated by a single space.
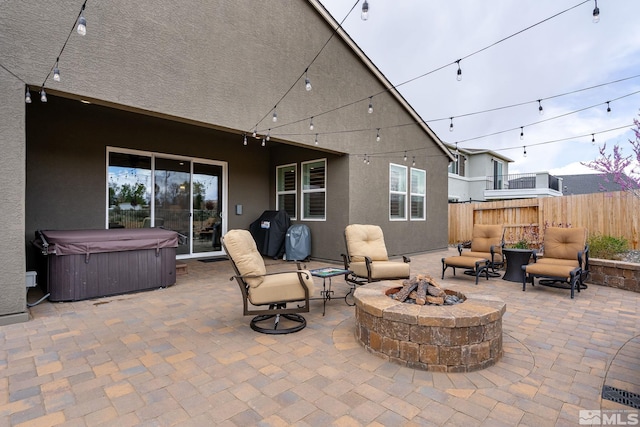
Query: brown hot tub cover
pixel 73 242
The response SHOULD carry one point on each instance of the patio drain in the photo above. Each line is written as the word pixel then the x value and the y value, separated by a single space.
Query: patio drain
pixel 621 396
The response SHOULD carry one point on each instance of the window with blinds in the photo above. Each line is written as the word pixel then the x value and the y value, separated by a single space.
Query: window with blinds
pixel 314 181
pixel 418 194
pixel 286 194
pixel 397 192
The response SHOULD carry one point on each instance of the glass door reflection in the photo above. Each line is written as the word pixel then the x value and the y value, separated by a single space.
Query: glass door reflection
pixel 207 207
pixel 172 209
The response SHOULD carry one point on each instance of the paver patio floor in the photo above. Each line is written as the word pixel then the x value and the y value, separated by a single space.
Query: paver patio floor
pixel 186 356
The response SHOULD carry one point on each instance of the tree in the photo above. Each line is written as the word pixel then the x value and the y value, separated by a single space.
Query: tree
pixel 624 170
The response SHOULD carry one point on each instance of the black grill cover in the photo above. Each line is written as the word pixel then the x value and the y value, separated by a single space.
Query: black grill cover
pixel 269 232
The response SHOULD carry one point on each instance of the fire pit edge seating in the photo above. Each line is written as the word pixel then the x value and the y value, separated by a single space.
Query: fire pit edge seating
pixel 485 255
pixel 260 288
pixel 565 260
pixel 367 259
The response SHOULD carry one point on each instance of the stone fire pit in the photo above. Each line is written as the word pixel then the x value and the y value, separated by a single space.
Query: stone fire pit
pixel 448 338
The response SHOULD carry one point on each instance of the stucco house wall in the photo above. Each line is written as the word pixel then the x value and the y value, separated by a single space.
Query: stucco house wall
pixel 189 78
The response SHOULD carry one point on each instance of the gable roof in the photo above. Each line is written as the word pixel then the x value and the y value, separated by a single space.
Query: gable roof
pixel 379 75
pixel 475 151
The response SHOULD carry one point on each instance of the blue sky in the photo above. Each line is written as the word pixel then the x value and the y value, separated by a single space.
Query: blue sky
pixel 409 38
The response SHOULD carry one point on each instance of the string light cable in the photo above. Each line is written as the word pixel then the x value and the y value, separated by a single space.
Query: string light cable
pixel 521 128
pixel 548 119
pixel 570 138
pixel 80 20
pixel 455 63
pixel 306 70
pixel 493 109
pixel 387 154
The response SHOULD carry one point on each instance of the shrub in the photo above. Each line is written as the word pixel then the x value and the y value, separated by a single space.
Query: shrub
pixel 521 244
pixel 607 247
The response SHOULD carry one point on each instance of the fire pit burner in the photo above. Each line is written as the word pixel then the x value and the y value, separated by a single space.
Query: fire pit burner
pixel 446 338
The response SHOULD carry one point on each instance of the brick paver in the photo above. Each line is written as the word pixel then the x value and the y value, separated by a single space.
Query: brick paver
pixel 186 356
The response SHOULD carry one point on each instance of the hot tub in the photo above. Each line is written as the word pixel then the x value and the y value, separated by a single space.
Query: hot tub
pixel 84 264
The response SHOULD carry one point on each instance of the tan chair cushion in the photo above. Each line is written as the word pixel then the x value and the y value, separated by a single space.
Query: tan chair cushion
pixel 365 240
pixel 382 269
pixel 463 261
pixel 242 249
pixel 550 270
pixel 281 287
pixel 564 243
pixel 484 236
pixel 497 256
pixel 554 261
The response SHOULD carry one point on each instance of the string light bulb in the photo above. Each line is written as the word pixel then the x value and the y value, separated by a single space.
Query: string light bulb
pixel 268 135
pixel 370 110
pixel 244 139
pixel 451 125
pixel 56 71
pixel 307 82
pixel 457 153
pixel 414 161
pixel 405 156
pixel 311 123
pixel 264 142
pixel 365 11
pixel 43 95
pixel 255 133
pixel 316 142
pixel 378 136
pixel 593 139
pixel 275 115
pixel 82 23
pixel 525 152
pixel 459 76
pixel 521 133
pixel 27 97
pixel 365 158
pixel 608 108
pixel 596 13
pixel 540 109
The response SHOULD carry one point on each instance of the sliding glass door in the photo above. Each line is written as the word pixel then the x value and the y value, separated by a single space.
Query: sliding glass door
pixel 180 194
pixel 172 179
pixel 207 207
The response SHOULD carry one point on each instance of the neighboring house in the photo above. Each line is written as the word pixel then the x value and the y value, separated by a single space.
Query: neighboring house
pixel 588 183
pixel 477 175
pixel 169 92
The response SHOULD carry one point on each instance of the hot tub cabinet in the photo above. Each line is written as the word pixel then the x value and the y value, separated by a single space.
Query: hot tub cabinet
pixel 84 264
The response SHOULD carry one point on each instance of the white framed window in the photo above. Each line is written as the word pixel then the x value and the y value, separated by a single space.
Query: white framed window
pixel 418 194
pixel 286 189
pixel 314 190
pixel 457 167
pixel 397 192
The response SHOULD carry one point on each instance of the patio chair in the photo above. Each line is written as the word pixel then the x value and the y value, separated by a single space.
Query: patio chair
pixel 260 288
pixel 565 261
pixel 485 256
pixel 367 259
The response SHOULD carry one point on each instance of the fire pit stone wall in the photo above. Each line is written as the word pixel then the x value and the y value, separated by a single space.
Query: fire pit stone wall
pixel 456 338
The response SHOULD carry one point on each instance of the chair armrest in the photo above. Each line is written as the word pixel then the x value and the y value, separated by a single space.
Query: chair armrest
pixel 255 276
pixel 346 260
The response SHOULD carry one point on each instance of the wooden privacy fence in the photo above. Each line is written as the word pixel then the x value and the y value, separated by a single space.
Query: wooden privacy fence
pixel 614 214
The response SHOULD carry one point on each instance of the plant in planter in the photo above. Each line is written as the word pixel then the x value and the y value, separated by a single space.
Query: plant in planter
pixel 607 247
pixel 529 238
